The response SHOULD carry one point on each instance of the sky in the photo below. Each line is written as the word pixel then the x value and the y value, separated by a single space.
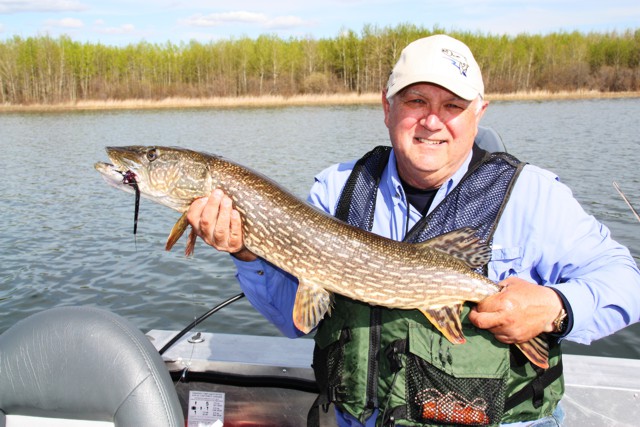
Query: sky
pixel 123 22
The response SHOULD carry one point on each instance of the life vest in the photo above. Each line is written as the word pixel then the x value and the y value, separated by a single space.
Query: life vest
pixel 369 357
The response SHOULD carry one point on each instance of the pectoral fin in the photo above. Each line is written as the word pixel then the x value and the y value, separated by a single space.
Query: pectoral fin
pixel 176 232
pixel 537 351
pixel 312 303
pixel 191 243
pixel 447 320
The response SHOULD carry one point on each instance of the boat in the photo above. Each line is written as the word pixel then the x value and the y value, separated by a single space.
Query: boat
pixel 88 367
pixel 600 391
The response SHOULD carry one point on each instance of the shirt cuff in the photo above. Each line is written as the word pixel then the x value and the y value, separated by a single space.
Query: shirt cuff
pixel 569 311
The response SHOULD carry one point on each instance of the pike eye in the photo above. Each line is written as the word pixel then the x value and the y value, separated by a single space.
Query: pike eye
pixel 152 154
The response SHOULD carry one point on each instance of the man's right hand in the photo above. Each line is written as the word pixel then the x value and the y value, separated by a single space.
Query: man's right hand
pixel 215 220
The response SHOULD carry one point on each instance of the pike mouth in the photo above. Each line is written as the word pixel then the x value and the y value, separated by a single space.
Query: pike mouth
pixel 117 178
pixel 113 175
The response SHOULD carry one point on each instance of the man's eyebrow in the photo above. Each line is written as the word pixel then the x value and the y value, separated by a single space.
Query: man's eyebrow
pixel 452 98
pixel 413 92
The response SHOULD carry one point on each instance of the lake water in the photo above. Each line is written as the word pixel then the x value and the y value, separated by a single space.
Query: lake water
pixel 66 237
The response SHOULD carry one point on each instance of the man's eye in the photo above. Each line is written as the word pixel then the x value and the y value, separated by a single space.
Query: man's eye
pixel 455 107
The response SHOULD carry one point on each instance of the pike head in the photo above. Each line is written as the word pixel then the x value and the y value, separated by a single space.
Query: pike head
pixel 170 176
pixel 173 177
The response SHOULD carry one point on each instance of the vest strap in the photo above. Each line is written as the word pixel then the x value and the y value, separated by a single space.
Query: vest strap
pixel 313 416
pixel 535 389
pixel 397 413
pixel 357 201
pixel 394 352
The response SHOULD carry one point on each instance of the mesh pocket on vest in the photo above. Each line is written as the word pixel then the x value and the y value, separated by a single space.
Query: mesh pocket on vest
pixel 437 397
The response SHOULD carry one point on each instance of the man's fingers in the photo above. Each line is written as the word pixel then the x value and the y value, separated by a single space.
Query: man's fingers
pixel 194 213
pixel 236 240
pixel 221 210
pixel 216 221
pixel 485 320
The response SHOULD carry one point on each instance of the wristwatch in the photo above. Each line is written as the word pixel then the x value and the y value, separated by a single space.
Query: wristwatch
pixel 560 323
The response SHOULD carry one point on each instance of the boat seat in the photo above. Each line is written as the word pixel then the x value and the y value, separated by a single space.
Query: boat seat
pixel 83 366
pixel 489 140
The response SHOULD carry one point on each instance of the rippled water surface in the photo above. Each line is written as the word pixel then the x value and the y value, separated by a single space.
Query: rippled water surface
pixel 66 237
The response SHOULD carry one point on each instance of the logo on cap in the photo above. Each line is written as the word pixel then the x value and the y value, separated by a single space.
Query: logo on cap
pixel 458 60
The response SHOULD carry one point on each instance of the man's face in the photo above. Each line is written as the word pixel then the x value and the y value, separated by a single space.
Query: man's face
pixel 432 132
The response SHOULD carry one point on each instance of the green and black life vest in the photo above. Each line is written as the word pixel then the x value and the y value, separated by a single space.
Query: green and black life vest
pixel 370 357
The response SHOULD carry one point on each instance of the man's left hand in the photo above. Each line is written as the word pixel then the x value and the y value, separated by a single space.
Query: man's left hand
pixel 519 312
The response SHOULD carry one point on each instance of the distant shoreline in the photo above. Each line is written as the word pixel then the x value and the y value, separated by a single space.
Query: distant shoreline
pixel 282 101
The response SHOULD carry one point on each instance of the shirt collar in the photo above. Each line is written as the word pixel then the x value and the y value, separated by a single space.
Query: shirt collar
pixel 391 179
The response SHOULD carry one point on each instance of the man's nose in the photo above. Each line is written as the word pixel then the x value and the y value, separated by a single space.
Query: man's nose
pixel 431 120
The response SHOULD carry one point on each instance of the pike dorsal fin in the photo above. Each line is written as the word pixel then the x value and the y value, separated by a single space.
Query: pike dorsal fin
pixel 462 244
pixel 312 303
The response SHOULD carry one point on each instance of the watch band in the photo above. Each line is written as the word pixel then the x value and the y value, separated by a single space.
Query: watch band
pixel 560 322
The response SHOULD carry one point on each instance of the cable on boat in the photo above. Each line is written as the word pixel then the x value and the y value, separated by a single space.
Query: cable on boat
pixel 193 324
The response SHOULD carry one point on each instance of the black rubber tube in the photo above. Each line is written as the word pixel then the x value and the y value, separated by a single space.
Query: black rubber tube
pixel 192 325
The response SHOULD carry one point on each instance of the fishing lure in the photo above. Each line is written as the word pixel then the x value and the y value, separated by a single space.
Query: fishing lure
pixel 129 178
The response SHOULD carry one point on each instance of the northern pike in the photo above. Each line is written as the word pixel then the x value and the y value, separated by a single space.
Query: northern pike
pixel 325 254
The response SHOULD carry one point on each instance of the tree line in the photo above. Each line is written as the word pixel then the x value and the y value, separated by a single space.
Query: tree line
pixel 53 70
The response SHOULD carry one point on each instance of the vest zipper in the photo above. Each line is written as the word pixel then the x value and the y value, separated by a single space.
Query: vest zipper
pixel 373 371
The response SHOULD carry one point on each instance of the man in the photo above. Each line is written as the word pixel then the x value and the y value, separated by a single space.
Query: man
pixel 391 367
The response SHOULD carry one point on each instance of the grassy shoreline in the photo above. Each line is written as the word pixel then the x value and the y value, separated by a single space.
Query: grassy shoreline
pixel 281 101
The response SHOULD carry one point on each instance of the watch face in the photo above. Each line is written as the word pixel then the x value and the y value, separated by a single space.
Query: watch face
pixel 560 324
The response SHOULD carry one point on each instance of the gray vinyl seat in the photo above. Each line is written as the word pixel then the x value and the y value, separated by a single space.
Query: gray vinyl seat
pixel 488 139
pixel 83 364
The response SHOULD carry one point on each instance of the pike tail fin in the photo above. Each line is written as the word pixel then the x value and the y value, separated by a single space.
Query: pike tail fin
pixel 536 350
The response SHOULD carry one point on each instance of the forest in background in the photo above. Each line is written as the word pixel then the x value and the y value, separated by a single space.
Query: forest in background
pixel 46 70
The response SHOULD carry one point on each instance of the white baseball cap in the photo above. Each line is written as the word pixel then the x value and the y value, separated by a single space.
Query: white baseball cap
pixel 438 59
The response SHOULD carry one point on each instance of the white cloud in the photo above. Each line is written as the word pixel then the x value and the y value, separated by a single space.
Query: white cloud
pixel 18 6
pixel 121 29
pixel 283 22
pixel 216 19
pixel 65 23
pixel 243 17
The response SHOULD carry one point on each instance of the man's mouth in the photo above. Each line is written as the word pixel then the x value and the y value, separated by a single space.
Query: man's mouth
pixel 431 141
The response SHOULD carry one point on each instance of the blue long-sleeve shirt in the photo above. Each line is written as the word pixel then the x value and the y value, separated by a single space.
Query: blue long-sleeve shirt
pixel 544 236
